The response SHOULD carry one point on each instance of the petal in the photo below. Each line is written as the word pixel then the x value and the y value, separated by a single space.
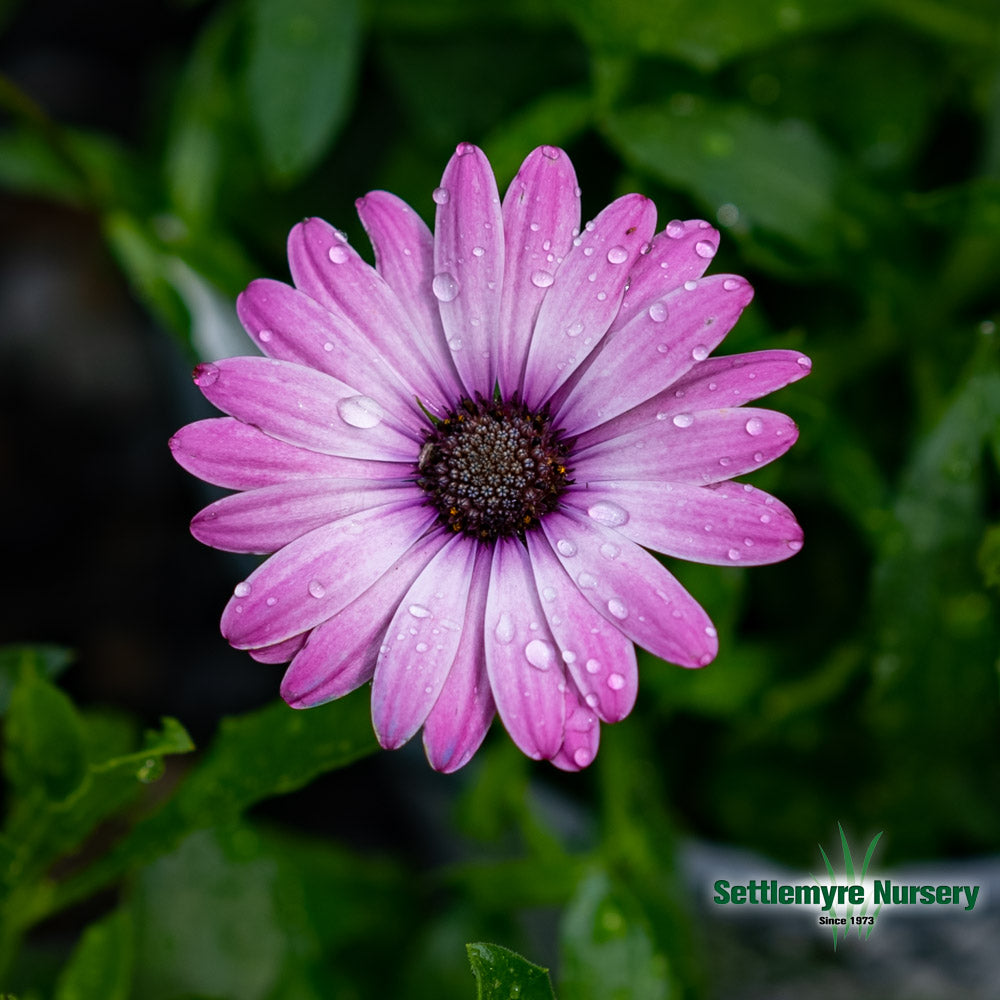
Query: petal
pixel 305 408
pixel 585 295
pixel 421 643
pixel 525 672
pixel 461 717
pixel 288 325
pixel 541 216
pixel 280 652
pixel 230 453
pixel 720 525
pixel 469 265
pixel 632 590
pixel 583 734
pixel 404 256
pixel 655 349
pixel 703 447
pixel 729 380
pixel 340 654
pixel 329 270
pixel 267 519
pixel 318 574
pixel 598 656
pixel 680 253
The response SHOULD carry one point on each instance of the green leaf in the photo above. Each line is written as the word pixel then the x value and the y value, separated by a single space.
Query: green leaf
pixel 300 76
pixel 46 660
pixel 101 965
pixel 607 948
pixel 502 974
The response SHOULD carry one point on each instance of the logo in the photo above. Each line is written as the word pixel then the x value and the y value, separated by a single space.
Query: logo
pixel 847 901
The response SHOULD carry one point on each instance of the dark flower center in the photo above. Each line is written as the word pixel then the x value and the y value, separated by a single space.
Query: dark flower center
pixel 493 468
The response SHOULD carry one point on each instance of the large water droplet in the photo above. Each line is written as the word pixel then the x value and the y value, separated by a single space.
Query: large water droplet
pixel 618 609
pixel 676 229
pixel 265 335
pixel 206 374
pixel 316 589
pixel 705 249
pixel 539 654
pixel 700 352
pixel 360 411
pixel 440 196
pixel 551 152
pixel 731 284
pixel 419 611
pixel 608 512
pixel 616 682
pixel 658 312
pixel 733 554
pixel 617 255
pixel 566 547
pixel 549 593
pixel 586 580
pixel 338 253
pixel 242 589
pixel 542 279
pixel 575 329
pixel 504 630
pixel 754 426
pixel 444 286
pixel 582 756
pixel 478 251
pixel 593 666
pixel 683 420
pixel 690 285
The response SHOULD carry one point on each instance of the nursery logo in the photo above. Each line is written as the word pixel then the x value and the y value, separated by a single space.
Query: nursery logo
pixel 848 901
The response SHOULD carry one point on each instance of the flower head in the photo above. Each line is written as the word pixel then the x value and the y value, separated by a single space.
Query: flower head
pixel 461 457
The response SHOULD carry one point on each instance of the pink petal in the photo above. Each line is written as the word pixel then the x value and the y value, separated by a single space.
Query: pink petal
pixel 340 653
pixel 461 717
pixel 656 348
pixel 318 574
pixel 721 525
pixel 632 590
pixel 266 519
pixel 305 408
pixel 525 672
pixel 598 656
pixel 230 453
pixel 404 256
pixel 584 297
pixel 421 643
pixel 329 270
pixel 680 253
pixel 288 325
pixel 541 213
pixel 583 735
pixel 701 448
pixel 725 381
pixel 280 652
pixel 469 265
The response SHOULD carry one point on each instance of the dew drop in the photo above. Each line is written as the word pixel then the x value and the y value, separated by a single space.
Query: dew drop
pixel 758 456
pixel 271 601
pixel 328 346
pixel 338 253
pixel 419 611
pixel 658 312
pixel 610 551
pixel 421 647
pixel 542 279
pixel 733 554
pixel 582 756
pixel 549 593
pixel 676 229
pixel 705 249
pixel 242 589
pixel 478 251
pixel 316 589
pixel 616 682
pixel 265 335
pixel 765 518
pixel 444 286
pixel 618 609
pixel 795 545
pixel 683 420
pixel 663 348
pixel 206 374
pixel 440 196
pixel 592 700
pixel 539 654
pixel 593 666
pixel 575 330
pixel 754 426
pixel 587 581
pixel 608 512
pixel 731 284
pixel 566 547
pixel 588 252
pixel 455 344
pixel 505 628
pixel 690 285
pixel 700 352
pixel 617 255
pixel 710 631
pixel 551 152
pixel 568 656
pixel 150 770
pixel 804 362
pixel 360 411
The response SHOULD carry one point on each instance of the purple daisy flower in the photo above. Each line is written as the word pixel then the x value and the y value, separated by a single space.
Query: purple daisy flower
pixel 460 458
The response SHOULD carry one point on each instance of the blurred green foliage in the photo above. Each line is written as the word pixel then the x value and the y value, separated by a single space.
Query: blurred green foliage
pixel 850 153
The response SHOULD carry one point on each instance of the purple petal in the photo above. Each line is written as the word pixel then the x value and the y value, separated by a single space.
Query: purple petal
pixel 583 735
pixel 725 381
pixel 598 656
pixel 461 717
pixel 701 448
pixel 582 301
pixel 280 652
pixel 469 265
pixel 721 525
pixel 421 643
pixel 340 653
pixel 329 270
pixel 227 452
pixel 266 519
pixel 655 349
pixel 632 590
pixel 541 213
pixel 680 253
pixel 318 574
pixel 305 408
pixel 404 256
pixel 525 671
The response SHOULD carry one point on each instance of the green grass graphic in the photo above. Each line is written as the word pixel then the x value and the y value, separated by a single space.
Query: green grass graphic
pixel 864 930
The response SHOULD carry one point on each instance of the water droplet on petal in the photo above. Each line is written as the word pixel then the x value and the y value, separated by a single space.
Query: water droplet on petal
pixel 265 335
pixel 592 700
pixel 754 426
pixel 733 554
pixel 618 609
pixel 421 647
pixel 658 312
pixel 539 654
pixel 271 601
pixel 616 682
pixel 710 631
pixel 575 330
pixel 328 346
pixel 676 229
pixel 582 756
pixel 593 666
pixel 705 249
pixel 617 255
pixel 360 411
pixel 663 348
pixel 542 279
pixel 338 253
pixel 549 593
pixel 731 284
pixel 690 285
pixel 478 251
pixel 316 589
pixel 568 656
pixel 551 152
pixel 440 196
pixel 504 630
pixel 610 551
pixel 608 512
pixel 586 581
pixel 242 589
pixel 683 420
pixel 795 545
pixel 700 352
pixel 566 547
pixel 444 286
pixel 206 374
pixel 464 148
pixel 419 611
pixel 804 362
